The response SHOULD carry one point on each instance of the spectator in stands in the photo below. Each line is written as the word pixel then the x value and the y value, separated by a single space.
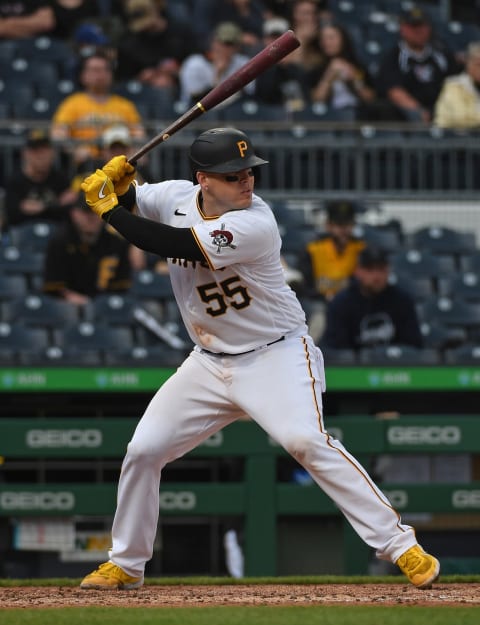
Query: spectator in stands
pixel 370 311
pixel 458 105
pixel 248 15
pixel 340 81
pixel 39 190
pixel 82 116
pixel 411 74
pixel 25 18
pixel 150 38
pixel 70 14
pixel 284 83
pixel 305 18
pixel 331 259
pixel 84 258
pixel 199 73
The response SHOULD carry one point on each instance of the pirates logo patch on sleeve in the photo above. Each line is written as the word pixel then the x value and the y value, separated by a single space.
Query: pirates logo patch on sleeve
pixel 222 238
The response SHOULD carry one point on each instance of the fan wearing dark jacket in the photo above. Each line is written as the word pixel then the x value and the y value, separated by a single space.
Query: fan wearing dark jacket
pixel 370 311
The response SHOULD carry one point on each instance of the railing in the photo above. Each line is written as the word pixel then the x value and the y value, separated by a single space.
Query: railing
pixel 311 158
pixel 259 498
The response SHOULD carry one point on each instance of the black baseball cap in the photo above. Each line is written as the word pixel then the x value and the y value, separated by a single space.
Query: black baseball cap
pixel 372 256
pixel 414 16
pixel 341 212
pixel 37 138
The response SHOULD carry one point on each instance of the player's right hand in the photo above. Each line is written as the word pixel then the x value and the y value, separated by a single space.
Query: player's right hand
pixel 99 192
pixel 121 172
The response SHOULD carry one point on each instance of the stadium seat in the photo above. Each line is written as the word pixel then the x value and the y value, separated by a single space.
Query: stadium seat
pixel 60 357
pixel 12 286
pixel 451 312
pixel 87 336
pixel 148 284
pixel 15 261
pixel 422 263
pixel 439 336
pixel 338 357
pixel 32 235
pixel 442 240
pixel 392 355
pixel 158 355
pixel 16 336
pixel 420 288
pixel 111 308
pixel 465 286
pixel 40 310
pixel 468 354
pixel 152 103
pixel 470 262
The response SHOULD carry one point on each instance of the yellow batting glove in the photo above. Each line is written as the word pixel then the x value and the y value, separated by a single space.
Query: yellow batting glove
pixel 121 172
pixel 99 193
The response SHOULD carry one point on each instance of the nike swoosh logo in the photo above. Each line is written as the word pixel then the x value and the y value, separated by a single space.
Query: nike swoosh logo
pixel 177 212
pixel 101 193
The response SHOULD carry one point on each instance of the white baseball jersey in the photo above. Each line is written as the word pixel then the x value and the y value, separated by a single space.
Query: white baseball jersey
pixel 238 300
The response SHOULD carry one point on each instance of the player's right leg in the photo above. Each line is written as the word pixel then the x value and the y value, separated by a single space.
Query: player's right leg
pixel 191 406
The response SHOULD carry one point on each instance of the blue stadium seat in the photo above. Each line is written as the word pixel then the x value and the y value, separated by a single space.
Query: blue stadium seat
pixel 17 336
pixel 442 240
pixel 40 310
pixel 158 355
pixel 12 286
pixel 32 235
pixel 88 336
pixel 392 355
pixel 15 261
pixel 466 355
pixel 464 286
pixel 148 284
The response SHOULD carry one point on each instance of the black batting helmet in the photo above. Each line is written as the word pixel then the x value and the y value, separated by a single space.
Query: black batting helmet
pixel 222 151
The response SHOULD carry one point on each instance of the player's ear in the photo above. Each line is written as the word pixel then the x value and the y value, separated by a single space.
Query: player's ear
pixel 201 177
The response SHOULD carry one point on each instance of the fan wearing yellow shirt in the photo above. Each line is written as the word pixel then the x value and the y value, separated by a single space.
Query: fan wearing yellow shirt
pixel 82 117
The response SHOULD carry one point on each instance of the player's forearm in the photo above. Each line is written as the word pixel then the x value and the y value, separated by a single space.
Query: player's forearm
pixel 155 237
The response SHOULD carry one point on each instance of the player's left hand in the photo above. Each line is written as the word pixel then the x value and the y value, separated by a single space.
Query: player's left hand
pixel 99 192
pixel 121 172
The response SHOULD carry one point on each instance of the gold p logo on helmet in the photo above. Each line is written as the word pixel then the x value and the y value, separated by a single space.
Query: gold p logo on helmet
pixel 242 148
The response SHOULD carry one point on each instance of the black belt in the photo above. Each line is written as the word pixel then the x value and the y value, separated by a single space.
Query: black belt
pixel 282 338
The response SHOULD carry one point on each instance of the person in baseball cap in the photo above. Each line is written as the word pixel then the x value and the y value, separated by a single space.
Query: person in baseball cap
pixel 37 138
pixel 372 257
pixel 414 16
pixel 341 212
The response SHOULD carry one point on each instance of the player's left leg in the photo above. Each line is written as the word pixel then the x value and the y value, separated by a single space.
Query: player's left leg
pixel 288 406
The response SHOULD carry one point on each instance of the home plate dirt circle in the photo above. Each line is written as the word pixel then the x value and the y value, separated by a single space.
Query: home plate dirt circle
pixel 244 595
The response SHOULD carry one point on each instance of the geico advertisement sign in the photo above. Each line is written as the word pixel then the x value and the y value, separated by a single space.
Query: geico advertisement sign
pixel 44 500
pixel 71 439
pixel 181 500
pixel 424 435
pixel 398 498
pixel 460 499
pixel 466 499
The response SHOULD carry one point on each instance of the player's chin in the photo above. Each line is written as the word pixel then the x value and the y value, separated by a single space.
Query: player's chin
pixel 245 201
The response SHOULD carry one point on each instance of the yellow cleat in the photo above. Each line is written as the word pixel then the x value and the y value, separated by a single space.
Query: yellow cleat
pixel 109 576
pixel 420 567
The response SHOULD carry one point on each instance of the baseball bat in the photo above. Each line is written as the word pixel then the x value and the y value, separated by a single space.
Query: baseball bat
pixel 267 57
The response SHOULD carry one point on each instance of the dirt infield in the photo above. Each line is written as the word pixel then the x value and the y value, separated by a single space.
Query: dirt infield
pixel 245 595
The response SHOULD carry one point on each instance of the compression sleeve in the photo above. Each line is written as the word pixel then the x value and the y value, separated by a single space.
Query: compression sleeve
pixel 129 198
pixel 153 236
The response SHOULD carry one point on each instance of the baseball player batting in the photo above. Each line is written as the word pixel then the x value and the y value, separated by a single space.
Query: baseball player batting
pixel 252 356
